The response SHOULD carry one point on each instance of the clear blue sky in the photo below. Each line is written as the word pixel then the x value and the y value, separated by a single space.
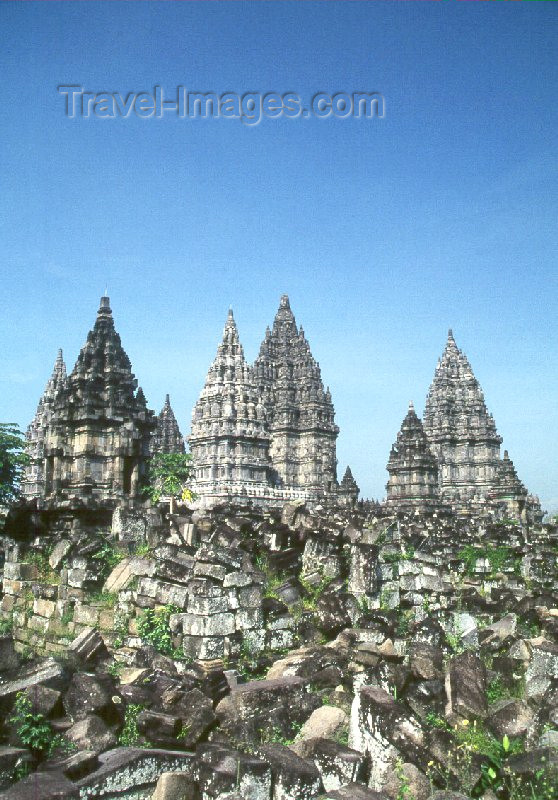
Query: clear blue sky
pixel 383 232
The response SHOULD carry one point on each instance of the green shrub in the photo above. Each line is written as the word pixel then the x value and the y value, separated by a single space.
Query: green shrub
pixel 154 628
pixel 129 735
pixel 34 730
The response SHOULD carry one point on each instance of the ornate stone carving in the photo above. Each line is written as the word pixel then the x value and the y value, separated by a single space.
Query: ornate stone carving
pixel 300 412
pixel 461 432
pixel 348 491
pixel 412 467
pixel 229 441
pixel 32 484
pixel 99 431
pixel 167 437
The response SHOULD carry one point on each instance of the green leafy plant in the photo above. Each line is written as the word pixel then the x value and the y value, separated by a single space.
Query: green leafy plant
pixel 314 591
pixel 108 558
pixel 499 558
pixel 168 476
pixel 33 729
pixel 13 460
pixel 404 789
pixel 154 628
pixel 130 735
pixel 6 625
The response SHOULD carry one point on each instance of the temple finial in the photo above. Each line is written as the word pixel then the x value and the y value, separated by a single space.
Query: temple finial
pixel 411 405
pixel 104 307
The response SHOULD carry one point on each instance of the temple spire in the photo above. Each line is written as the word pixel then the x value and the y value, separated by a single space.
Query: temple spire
pixel 167 437
pixel 461 432
pixel 412 467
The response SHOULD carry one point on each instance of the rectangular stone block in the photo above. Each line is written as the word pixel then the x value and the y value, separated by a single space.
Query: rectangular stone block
pixel 106 620
pixel 44 608
pixel 250 597
pixel 148 587
pixel 204 648
pixel 170 594
pixel 214 571
pixel 86 615
pixel 215 625
pixel 237 580
pixel 207 605
pixel 76 578
pixel 247 618
pixel 37 624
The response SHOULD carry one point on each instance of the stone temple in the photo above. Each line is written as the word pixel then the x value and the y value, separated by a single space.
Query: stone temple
pixel 262 432
pixel 92 431
pixel 452 458
pixel 267 430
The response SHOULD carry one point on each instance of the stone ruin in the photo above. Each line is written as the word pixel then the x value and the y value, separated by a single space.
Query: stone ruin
pixel 248 648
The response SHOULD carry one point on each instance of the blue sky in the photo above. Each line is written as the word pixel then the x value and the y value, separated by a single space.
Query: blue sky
pixel 384 233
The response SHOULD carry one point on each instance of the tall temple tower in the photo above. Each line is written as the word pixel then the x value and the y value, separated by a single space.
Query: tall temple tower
pixel 32 484
pixel 412 467
pixel 300 412
pixel 461 432
pixel 99 432
pixel 167 437
pixel 229 441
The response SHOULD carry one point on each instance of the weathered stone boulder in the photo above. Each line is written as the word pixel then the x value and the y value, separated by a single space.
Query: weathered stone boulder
pixel 408 782
pixel 494 635
pixel 466 686
pixel 355 791
pixel 43 785
pixel 10 758
pixel 127 570
pixel 128 766
pixel 43 700
pixel 91 733
pixel 195 711
pixel 338 765
pixel 91 694
pixel 264 707
pixel 509 718
pixel 325 722
pixel 293 778
pixel 220 770
pixel 9 659
pixel 74 766
pixel 335 612
pixel 542 669
pixel 159 729
pixel 384 730
pixel 176 786
pixel 47 673
pixel 425 661
pixel 529 763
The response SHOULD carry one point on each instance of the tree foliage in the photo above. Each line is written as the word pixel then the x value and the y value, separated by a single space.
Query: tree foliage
pixel 13 460
pixel 168 476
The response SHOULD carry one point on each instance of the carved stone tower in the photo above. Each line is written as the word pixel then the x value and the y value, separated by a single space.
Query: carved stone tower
pixel 508 490
pixel 412 467
pixel 229 441
pixel 300 412
pixel 167 437
pixel 461 432
pixel 32 484
pixel 348 491
pixel 99 433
